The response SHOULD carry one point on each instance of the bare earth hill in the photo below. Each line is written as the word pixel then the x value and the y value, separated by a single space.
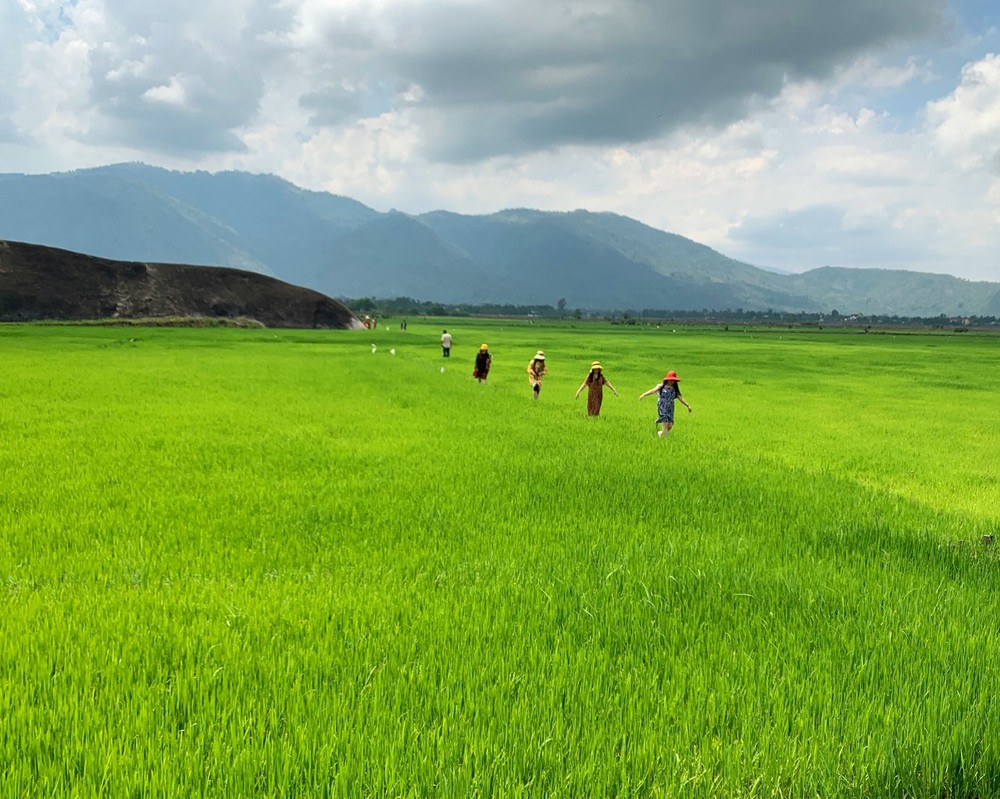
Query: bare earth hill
pixel 45 283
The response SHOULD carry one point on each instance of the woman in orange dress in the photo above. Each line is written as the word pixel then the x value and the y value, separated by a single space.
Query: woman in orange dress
pixel 595 383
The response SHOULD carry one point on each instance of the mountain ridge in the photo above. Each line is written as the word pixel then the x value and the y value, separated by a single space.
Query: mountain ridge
pixel 341 247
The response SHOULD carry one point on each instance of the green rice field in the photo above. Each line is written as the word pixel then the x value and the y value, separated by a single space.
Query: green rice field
pixel 270 563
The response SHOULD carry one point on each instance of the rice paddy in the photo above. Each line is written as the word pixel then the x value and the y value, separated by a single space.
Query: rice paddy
pixel 311 563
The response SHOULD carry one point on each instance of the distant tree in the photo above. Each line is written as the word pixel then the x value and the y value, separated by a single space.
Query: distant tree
pixel 561 305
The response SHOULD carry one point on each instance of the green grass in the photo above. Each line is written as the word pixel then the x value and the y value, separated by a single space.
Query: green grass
pixel 275 563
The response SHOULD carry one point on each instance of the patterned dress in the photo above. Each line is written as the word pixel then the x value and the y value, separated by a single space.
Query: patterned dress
pixel 665 404
pixel 536 371
pixel 595 393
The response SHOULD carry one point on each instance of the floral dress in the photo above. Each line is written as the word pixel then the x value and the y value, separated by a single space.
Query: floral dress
pixel 536 371
pixel 665 404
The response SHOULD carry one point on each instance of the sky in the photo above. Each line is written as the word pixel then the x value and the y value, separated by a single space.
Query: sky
pixel 790 134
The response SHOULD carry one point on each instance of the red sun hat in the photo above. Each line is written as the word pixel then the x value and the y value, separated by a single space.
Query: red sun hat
pixel 671 375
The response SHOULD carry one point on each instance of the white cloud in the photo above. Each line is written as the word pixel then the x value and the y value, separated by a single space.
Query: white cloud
pixel 172 93
pixel 966 124
pixel 871 73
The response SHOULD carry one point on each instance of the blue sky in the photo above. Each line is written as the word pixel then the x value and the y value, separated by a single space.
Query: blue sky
pixel 862 133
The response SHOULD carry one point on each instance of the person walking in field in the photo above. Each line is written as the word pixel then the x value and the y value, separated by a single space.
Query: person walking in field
pixel 446 344
pixel 483 362
pixel 595 383
pixel 536 371
pixel 669 390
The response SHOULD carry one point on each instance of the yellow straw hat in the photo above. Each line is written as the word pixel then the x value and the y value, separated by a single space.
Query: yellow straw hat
pixel 596 365
pixel 539 356
pixel 483 347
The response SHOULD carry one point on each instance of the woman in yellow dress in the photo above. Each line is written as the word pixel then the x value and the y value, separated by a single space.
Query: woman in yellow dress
pixel 536 371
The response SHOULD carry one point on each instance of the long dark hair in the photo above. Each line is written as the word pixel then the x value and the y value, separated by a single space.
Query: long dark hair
pixel 677 386
pixel 594 374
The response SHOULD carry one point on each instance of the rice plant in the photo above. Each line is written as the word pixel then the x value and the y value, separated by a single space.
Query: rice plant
pixel 245 562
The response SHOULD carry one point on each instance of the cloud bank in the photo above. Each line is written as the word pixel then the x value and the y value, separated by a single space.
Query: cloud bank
pixel 771 130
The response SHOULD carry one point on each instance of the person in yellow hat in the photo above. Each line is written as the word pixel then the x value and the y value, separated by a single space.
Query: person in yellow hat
pixel 669 390
pixel 595 383
pixel 483 362
pixel 536 371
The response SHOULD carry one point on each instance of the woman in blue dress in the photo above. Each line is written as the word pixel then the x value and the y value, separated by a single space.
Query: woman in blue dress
pixel 669 390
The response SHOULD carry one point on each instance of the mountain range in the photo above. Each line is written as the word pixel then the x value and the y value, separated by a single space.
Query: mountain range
pixel 343 248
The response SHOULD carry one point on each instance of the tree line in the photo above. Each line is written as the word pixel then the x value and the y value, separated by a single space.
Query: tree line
pixel 407 306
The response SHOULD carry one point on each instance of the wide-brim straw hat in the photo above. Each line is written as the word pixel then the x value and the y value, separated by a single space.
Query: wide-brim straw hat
pixel 596 365
pixel 672 375
pixel 539 356
pixel 483 347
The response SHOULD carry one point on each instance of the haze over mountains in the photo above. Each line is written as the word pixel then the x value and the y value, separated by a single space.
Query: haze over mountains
pixel 340 247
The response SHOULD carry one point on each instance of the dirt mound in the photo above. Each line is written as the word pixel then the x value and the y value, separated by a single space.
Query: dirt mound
pixel 45 283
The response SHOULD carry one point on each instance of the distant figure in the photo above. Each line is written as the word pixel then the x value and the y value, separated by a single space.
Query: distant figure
pixel 402 325
pixel 483 362
pixel 536 371
pixel 368 322
pixel 595 383
pixel 446 344
pixel 669 390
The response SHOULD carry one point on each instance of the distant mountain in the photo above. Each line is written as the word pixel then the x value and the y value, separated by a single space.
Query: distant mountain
pixel 116 214
pixel 39 283
pixel 341 247
pixel 924 295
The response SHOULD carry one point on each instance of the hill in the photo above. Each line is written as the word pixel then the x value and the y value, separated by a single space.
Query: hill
pixel 38 283
pixel 924 295
pixel 341 247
